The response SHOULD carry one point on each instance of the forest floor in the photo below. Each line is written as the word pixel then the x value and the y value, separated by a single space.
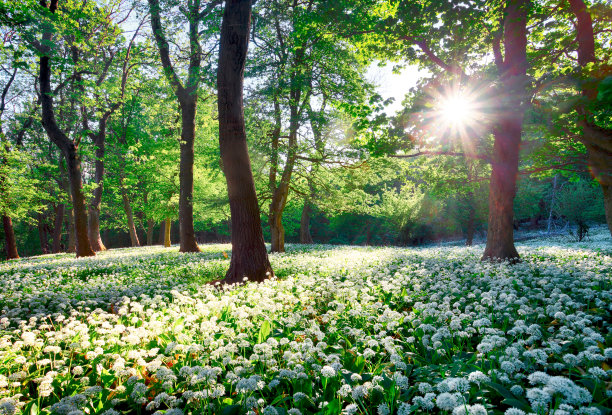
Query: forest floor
pixel 339 330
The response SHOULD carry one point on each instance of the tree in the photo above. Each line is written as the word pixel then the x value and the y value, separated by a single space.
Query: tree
pixel 596 136
pixel 68 147
pixel 300 75
pixel 187 96
pixel 7 223
pixel 249 256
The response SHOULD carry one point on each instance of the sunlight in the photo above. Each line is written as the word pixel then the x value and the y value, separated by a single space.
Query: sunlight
pixel 457 110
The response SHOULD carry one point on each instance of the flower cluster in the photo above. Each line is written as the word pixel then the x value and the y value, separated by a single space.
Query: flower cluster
pixel 348 330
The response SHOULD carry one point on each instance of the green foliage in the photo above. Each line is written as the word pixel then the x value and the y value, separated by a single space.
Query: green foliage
pixel 581 203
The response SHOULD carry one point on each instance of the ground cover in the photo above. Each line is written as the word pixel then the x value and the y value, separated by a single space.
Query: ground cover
pixel 342 329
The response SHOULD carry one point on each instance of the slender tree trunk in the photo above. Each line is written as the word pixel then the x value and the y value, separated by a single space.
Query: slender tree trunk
pixel 167 228
pixel 469 239
pixel 187 234
pixel 552 205
pixel 277 231
pixel 94 204
pixel 249 256
pixel 42 235
pixel 67 146
pixel 305 236
pixel 71 232
pixel 57 228
pixel 162 233
pixel 607 193
pixel 9 235
pixel 130 217
pixel 150 225
pixel 507 134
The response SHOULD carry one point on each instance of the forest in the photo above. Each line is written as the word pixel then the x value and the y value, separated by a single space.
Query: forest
pixel 305 206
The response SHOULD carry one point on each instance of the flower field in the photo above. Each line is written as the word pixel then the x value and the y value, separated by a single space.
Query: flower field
pixel 349 330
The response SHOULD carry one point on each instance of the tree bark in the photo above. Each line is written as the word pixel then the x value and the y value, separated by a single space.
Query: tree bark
pixel 305 236
pixel 71 232
pixel 9 237
pixel 249 256
pixel 469 237
pixel 57 228
pixel 42 235
pixel 607 193
pixel 187 237
pixel 167 228
pixel 507 133
pixel 130 217
pixel 150 225
pixel 162 233
pixel 67 146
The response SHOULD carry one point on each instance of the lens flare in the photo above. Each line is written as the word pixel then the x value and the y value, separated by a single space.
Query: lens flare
pixel 457 111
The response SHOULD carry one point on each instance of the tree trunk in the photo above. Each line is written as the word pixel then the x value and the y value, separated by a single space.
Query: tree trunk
pixel 130 217
pixel 507 134
pixel 502 189
pixel 187 235
pixel 9 235
pixel 150 225
pixel 277 231
pixel 552 205
pixel 167 228
pixel 71 232
pixel 94 204
pixel 67 146
pixel 42 235
pixel 305 236
pixel 162 233
pixel 83 246
pixel 57 228
pixel 469 237
pixel 607 193
pixel 249 256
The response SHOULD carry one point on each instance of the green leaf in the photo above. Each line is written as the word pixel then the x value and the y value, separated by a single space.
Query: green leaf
pixel 515 403
pixel 264 331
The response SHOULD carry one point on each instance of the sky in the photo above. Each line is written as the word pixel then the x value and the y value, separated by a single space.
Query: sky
pixel 391 85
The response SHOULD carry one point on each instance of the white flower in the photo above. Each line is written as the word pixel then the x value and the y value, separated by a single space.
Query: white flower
pixel 328 371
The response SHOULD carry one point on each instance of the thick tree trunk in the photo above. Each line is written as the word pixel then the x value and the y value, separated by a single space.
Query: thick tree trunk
pixel 130 217
pixel 167 228
pixel 502 189
pixel 83 246
pixel 507 134
pixel 249 256
pixel 187 235
pixel 9 238
pixel 305 236
pixel 150 225
pixel 57 228
pixel 94 204
pixel 67 146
